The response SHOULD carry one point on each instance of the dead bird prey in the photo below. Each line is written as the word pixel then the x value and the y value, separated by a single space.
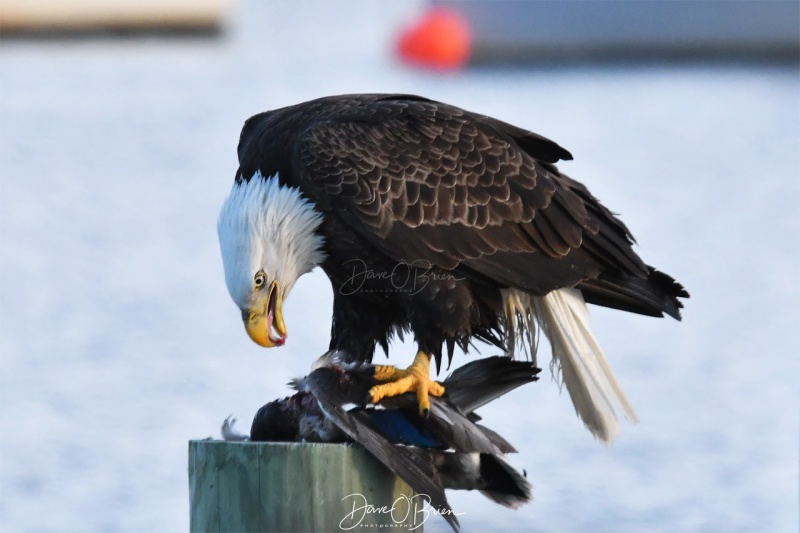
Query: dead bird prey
pixel 449 450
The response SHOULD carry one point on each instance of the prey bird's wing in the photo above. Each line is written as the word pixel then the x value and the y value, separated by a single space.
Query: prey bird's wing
pixel 413 465
pixel 484 380
pixel 446 423
pixel 451 420
pixel 502 444
pixel 451 427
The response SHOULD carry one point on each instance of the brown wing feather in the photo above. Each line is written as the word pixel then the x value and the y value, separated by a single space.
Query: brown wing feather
pixel 423 180
pixel 429 181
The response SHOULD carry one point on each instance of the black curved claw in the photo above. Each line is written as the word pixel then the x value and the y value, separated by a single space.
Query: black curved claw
pixel 366 400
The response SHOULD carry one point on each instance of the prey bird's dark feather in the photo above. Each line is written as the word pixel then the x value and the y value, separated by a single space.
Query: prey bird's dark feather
pixel 447 451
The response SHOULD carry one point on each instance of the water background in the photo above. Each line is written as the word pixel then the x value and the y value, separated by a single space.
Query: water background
pixel 120 343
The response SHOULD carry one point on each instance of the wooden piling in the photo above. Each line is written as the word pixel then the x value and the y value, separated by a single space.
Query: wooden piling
pixel 275 486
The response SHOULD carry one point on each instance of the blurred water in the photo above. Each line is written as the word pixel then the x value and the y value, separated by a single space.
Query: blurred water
pixel 119 342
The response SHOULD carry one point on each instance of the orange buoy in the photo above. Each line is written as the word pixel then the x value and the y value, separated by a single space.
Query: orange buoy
pixel 441 39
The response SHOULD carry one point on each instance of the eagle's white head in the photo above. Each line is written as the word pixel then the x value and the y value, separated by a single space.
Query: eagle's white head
pixel 267 235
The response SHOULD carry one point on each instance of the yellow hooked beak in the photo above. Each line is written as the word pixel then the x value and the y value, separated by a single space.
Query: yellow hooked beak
pixel 264 321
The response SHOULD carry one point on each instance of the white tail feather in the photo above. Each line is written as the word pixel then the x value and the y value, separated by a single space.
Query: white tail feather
pixel 520 323
pixel 585 372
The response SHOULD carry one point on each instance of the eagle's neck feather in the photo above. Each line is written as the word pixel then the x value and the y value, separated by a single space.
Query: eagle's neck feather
pixel 267 226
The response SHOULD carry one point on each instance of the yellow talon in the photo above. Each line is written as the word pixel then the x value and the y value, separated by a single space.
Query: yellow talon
pixel 415 378
pixel 388 372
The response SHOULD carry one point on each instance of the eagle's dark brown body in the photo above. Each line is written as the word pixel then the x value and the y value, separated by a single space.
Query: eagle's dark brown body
pixel 430 211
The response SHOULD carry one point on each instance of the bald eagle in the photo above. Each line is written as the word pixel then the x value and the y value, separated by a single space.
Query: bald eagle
pixel 431 220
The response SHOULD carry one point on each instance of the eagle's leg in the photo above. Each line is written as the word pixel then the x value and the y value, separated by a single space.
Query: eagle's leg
pixel 415 378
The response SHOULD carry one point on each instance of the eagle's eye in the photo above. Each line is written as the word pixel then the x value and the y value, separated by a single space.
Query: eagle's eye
pixel 260 280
